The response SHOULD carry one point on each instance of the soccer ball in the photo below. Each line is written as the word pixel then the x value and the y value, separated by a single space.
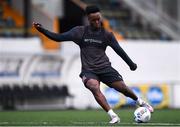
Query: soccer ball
pixel 142 115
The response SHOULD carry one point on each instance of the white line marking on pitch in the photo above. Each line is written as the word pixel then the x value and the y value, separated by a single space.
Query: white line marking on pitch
pixel 89 123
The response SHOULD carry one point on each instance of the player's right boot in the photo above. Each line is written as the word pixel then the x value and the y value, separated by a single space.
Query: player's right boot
pixel 142 103
pixel 115 119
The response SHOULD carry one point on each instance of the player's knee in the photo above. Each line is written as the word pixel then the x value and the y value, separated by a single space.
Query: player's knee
pixel 92 86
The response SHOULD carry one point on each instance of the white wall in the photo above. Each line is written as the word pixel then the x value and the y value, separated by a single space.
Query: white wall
pixel 157 61
pixel 16 45
pixel 176 95
pixel 15 55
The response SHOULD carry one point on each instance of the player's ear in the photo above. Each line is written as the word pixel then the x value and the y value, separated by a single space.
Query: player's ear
pixel 101 18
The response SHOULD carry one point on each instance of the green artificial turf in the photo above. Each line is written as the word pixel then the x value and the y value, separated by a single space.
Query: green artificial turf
pixel 165 117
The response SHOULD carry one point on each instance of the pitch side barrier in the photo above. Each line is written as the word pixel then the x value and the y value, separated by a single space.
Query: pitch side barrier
pixel 26 80
pixel 32 96
pixel 30 78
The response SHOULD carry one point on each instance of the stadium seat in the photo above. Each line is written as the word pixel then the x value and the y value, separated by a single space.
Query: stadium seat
pixel 46 91
pixel 36 92
pixel 18 94
pixel 65 91
pixel 7 97
pixel 121 19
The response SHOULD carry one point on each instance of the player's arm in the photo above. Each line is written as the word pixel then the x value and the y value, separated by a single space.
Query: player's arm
pixel 117 48
pixel 66 36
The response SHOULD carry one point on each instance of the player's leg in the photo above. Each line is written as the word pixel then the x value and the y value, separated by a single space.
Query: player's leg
pixel 113 79
pixel 94 86
pixel 121 87
pixel 124 89
pixel 92 82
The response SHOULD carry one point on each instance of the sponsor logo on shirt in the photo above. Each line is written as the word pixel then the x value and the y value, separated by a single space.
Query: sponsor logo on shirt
pixel 93 41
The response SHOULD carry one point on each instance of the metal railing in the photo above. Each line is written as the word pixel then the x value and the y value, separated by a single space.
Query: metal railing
pixel 156 17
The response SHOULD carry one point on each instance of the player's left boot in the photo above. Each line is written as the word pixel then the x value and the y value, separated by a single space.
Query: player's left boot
pixel 142 103
pixel 115 119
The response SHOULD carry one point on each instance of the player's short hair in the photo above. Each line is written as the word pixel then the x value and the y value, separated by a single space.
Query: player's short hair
pixel 91 9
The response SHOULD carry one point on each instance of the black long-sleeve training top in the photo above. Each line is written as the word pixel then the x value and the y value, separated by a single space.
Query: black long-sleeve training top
pixel 92 45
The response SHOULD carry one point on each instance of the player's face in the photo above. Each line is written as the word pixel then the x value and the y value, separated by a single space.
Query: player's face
pixel 95 20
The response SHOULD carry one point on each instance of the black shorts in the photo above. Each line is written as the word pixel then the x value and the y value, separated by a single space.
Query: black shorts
pixel 107 75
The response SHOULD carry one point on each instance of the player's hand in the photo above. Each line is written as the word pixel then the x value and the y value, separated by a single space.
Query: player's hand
pixel 133 67
pixel 37 25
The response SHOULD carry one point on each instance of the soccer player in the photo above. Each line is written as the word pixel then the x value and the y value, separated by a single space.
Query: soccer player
pixel 96 67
